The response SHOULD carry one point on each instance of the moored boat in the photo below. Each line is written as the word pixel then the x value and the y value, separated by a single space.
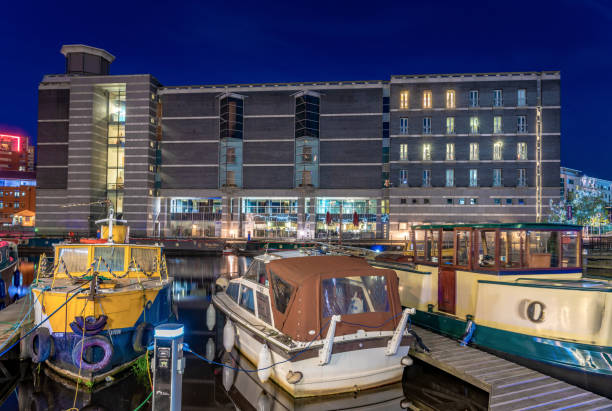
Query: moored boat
pixel 516 290
pixel 318 324
pixel 11 287
pixel 98 305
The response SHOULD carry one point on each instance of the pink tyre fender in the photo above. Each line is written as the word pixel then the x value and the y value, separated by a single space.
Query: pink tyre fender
pixel 96 341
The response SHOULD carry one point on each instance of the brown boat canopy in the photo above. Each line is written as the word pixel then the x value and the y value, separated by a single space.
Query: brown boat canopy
pixel 307 291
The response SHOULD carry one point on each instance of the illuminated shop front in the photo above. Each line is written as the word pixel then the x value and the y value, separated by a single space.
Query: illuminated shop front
pixel 345 211
pixel 270 217
pixel 195 217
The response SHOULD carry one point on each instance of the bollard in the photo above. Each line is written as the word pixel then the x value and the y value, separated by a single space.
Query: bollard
pixel 168 368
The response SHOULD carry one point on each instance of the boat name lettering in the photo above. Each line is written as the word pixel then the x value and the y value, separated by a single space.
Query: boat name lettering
pixel 535 311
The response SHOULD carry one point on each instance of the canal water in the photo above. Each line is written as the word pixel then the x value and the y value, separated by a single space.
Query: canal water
pixel 25 386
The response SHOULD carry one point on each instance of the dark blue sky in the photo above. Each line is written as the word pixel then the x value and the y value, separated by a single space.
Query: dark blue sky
pixel 226 42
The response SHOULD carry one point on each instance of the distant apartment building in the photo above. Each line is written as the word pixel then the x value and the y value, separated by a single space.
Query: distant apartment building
pixel 572 180
pixel 17 178
pixel 294 160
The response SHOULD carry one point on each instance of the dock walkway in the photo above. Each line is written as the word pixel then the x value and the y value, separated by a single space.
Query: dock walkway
pixel 9 318
pixel 510 386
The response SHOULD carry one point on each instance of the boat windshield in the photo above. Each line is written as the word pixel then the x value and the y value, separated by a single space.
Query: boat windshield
pixel 257 272
pixel 75 259
pixel 114 257
pixel 354 295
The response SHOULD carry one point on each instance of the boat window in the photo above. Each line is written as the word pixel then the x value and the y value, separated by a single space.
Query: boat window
pixel 543 249
pixel 257 272
pixel 448 247
pixel 282 292
pixel 113 256
pixel 511 244
pixel 419 245
pixel 74 258
pixel 569 249
pixel 486 249
pixel 233 290
pixel 145 257
pixel 432 246
pixel 354 295
pixel 246 298
pixel 263 307
pixel 463 247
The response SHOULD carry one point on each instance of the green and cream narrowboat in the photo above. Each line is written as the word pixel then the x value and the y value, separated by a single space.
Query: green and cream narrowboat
pixel 514 289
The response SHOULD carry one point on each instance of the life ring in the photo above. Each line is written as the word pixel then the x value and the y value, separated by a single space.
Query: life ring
pixel 142 337
pixel 40 345
pixel 89 342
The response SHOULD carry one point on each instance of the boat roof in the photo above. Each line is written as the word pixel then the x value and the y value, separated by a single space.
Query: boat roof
pixel 528 226
pixel 303 269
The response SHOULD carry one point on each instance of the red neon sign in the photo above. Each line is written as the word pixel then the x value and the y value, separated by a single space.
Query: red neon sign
pixel 14 137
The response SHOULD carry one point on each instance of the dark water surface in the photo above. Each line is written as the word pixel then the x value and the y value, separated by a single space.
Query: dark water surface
pixel 24 386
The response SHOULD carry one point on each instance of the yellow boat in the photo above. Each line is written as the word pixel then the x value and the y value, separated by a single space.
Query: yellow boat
pixel 98 304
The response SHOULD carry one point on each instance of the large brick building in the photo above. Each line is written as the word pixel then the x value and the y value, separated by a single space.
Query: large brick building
pixel 275 159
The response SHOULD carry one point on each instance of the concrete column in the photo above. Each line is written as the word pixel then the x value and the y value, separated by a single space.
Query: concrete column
pixel 379 223
pixel 225 216
pixel 301 218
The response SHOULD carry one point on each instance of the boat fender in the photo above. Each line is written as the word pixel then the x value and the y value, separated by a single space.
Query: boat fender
pixel 91 323
pixel 228 376
pixel 264 401
pixel 293 377
pixel 419 341
pixel 406 361
pixel 210 317
pixel 210 349
pixel 469 332
pixel 99 341
pixel 40 345
pixel 142 337
pixel 264 366
pixel 229 335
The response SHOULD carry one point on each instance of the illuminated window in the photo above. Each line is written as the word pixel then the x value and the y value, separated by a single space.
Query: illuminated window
pixel 497 177
pixel 521 124
pixel 427 99
pixel 450 177
pixel 403 177
pixel 426 178
pixel 474 151
pixel 427 125
pixel 497 124
pixel 521 97
pixel 230 155
pixel 450 151
pixel 497 98
pixel 404 99
pixel 497 151
pixel 473 177
pixel 403 152
pixel 450 98
pixel 473 98
pixel 522 178
pixel 450 125
pixel 521 151
pixel 474 125
pixel 426 152
pixel 230 117
pixel 403 125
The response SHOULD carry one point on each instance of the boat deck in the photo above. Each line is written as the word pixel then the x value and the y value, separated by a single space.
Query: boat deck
pixel 10 318
pixel 510 386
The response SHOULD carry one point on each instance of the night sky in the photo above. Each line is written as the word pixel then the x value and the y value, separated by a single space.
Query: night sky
pixel 188 43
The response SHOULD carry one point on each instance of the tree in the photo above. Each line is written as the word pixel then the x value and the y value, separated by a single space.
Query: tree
pixel 588 208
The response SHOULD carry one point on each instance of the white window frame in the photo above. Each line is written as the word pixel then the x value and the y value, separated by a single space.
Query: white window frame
pixel 450 99
pixel 497 177
pixel 498 151
pixel 473 177
pixel 521 178
pixel 427 152
pixel 521 124
pixel 450 125
pixel 426 125
pixel 498 98
pixel 403 177
pixel 473 98
pixel 403 152
pixel 521 151
pixel 474 151
pixel 404 125
pixel 404 99
pixel 474 125
pixel 498 125
pixel 521 101
pixel 427 99
pixel 450 177
pixel 450 151
pixel 426 178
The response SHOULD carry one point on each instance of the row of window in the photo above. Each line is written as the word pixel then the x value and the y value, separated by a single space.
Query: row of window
pixel 15 193
pixel 473 98
pixel 14 205
pixel 521 178
pixel 464 201
pixel 474 126
pixel 521 151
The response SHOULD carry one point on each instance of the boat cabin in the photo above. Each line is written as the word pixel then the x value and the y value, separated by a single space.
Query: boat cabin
pixel 498 248
pixel 298 295
pixel 109 260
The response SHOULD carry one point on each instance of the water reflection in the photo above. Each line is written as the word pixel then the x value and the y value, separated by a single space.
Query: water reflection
pixel 216 387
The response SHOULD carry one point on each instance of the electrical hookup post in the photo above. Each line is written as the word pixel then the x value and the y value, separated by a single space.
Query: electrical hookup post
pixel 168 367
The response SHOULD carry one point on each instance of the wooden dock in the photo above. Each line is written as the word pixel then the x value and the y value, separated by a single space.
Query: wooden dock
pixel 9 318
pixel 510 386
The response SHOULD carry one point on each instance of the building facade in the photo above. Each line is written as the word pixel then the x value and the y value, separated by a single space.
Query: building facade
pixel 294 160
pixel 572 180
